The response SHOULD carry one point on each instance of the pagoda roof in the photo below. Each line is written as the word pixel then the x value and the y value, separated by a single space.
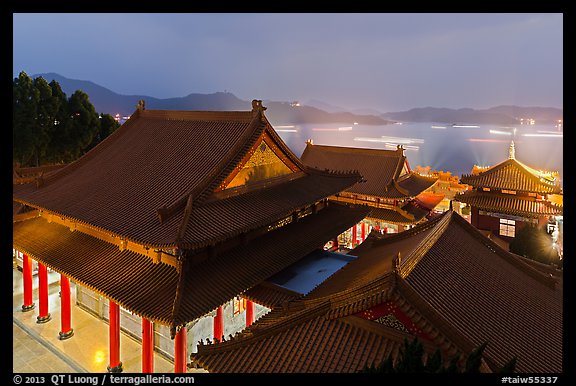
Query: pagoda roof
pixel 172 295
pixel 456 288
pixel 391 216
pixel 524 206
pixel 381 169
pixel 157 180
pixel 513 175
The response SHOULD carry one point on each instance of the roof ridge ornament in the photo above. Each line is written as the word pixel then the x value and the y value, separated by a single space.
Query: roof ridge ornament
pixel 141 105
pixel 512 151
pixel 257 107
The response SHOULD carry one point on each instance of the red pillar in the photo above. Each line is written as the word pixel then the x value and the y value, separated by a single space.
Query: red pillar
pixel 180 351
pixel 147 346
pixel 65 314
pixel 249 312
pixel 354 236
pixel 219 324
pixel 115 365
pixel 44 315
pixel 363 231
pixel 27 279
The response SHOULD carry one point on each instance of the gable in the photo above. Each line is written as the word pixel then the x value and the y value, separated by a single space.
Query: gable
pixel 263 161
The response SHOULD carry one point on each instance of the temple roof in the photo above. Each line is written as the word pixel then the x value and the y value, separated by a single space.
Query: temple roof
pixel 166 294
pixel 157 180
pixel 381 169
pixel 513 175
pixel 511 204
pixel 453 286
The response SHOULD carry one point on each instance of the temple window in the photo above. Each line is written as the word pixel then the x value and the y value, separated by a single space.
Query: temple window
pixel 507 227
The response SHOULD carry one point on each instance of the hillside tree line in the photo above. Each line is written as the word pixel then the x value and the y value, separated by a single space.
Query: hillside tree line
pixel 49 128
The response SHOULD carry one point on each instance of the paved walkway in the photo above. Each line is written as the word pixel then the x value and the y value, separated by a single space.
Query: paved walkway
pixel 37 349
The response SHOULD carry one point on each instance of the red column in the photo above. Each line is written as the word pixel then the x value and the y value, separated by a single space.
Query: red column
pixel 27 279
pixel 65 314
pixel 219 324
pixel 354 236
pixel 44 315
pixel 147 346
pixel 249 312
pixel 115 365
pixel 180 351
pixel 363 232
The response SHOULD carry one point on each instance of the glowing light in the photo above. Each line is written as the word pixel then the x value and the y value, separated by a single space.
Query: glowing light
pixel 486 140
pixel 547 132
pixel 437 127
pixel 500 132
pixel 355 123
pixel 324 129
pixel 348 128
pixel 286 127
pixel 466 126
pixel 286 130
pixel 99 357
pixel 402 139
pixel 544 135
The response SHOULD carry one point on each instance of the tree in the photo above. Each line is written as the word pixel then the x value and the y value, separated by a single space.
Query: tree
pixel 536 244
pixel 411 360
pixel 107 126
pixel 60 140
pixel 84 123
pixel 25 98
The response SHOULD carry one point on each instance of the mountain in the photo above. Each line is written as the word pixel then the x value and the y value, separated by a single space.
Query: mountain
pixel 500 115
pixel 107 101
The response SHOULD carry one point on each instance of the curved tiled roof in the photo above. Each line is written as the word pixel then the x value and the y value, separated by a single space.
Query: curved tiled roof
pixel 380 168
pixel 512 175
pixel 509 204
pixel 456 286
pixel 270 295
pixel 390 215
pixel 148 181
pixel 151 290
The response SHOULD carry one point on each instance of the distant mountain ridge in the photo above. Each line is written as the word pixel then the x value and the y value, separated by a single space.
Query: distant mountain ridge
pixel 313 111
pixel 504 115
pixel 107 101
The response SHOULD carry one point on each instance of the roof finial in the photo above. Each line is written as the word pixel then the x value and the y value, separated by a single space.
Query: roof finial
pixel 512 151
pixel 309 141
pixel 257 106
pixel 141 105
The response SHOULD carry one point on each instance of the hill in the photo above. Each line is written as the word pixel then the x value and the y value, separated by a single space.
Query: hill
pixel 108 101
pixel 502 115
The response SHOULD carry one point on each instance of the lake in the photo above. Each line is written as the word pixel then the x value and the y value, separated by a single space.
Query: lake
pixel 442 147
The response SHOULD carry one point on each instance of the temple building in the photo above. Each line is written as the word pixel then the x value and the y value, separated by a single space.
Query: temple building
pixel 507 196
pixel 441 281
pixel 165 224
pixel 394 193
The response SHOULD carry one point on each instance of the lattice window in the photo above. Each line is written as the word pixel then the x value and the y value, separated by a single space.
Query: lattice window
pixel 507 227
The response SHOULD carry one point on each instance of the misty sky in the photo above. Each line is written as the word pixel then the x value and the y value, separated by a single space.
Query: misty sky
pixel 388 62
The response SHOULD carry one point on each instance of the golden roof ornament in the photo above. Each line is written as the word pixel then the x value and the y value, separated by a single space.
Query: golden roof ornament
pixel 141 105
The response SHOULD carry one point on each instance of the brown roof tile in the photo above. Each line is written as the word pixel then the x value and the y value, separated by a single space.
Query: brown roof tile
pixel 509 204
pixel 390 215
pixel 160 160
pixel 512 175
pixel 132 280
pixel 270 295
pixel 380 168
pixel 457 287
